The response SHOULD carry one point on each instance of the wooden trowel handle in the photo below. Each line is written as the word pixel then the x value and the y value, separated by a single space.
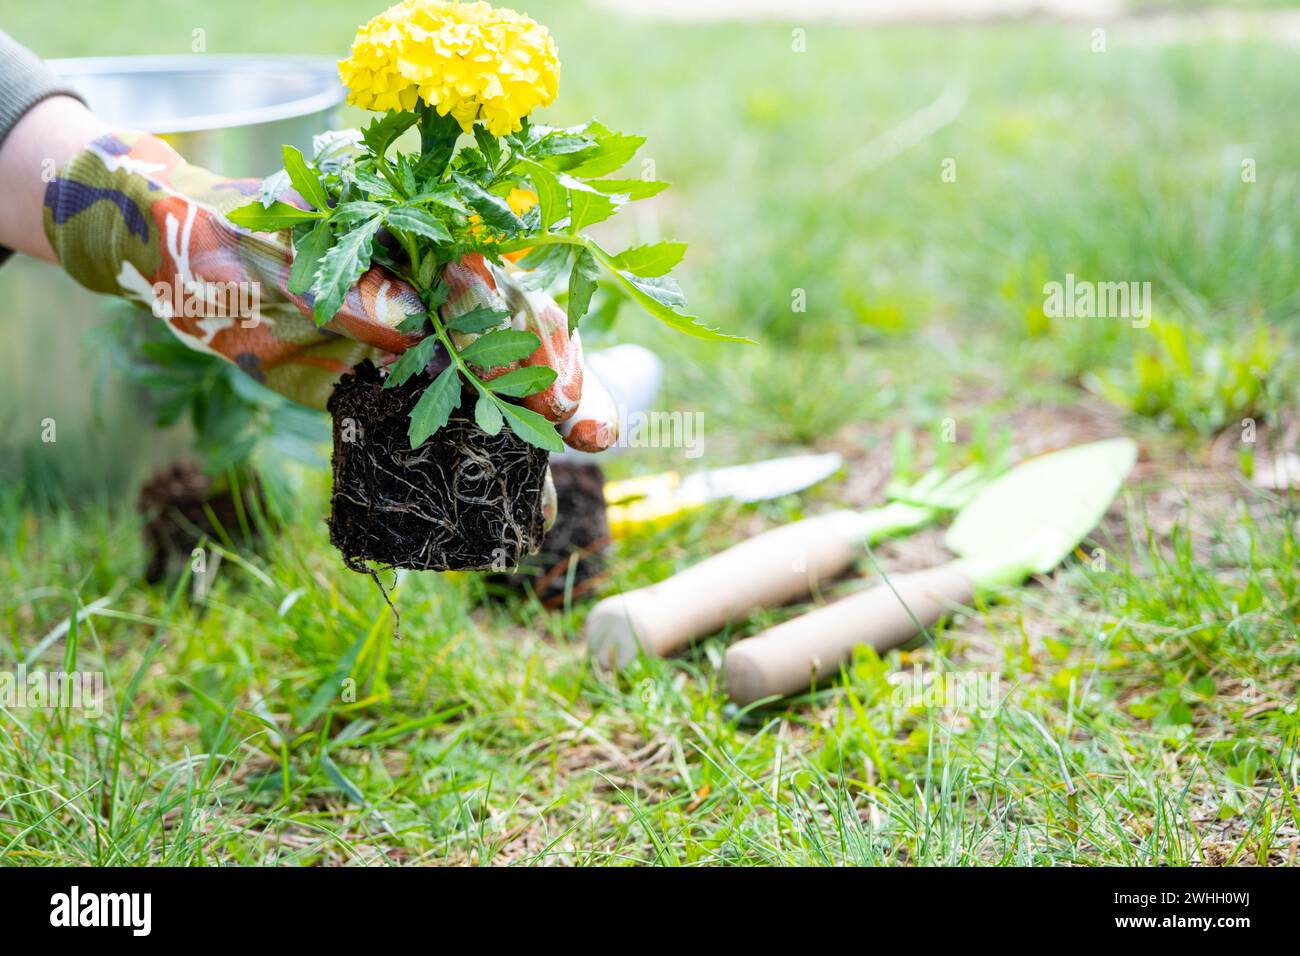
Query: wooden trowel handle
pixel 771 568
pixel 785 658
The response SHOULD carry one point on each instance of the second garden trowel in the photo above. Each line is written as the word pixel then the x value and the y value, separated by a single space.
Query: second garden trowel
pixel 1021 524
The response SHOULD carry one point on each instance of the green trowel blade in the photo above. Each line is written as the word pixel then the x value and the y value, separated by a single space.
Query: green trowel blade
pixel 1028 520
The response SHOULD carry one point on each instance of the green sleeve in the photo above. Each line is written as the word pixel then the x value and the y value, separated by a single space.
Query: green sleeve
pixel 24 82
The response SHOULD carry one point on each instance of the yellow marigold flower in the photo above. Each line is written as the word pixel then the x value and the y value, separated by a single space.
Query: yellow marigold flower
pixel 470 60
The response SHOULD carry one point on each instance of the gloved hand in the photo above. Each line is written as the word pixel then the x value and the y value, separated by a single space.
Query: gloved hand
pixel 129 216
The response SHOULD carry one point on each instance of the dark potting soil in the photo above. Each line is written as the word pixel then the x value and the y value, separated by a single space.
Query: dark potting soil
pixel 463 500
pixel 578 539
pixel 183 505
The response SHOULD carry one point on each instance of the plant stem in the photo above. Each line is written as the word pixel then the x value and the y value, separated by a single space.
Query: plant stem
pixel 408 243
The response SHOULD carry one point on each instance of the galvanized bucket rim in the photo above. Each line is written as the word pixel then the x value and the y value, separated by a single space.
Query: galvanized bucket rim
pixel 87 67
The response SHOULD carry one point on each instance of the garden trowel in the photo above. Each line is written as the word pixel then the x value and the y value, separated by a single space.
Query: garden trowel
pixel 774 567
pixel 1022 524
pixel 650 501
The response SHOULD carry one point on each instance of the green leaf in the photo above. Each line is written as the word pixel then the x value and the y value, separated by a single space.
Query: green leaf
pixel 582 284
pixel 545 141
pixel 654 260
pixel 500 348
pixel 374 184
pixel 478 320
pixel 306 257
pixel 383 130
pixel 272 186
pixel 489 147
pixel 612 151
pixel 532 428
pixel 304 179
pixel 523 381
pixel 411 362
pixel 359 210
pixel 662 289
pixel 435 406
pixel 406 175
pixel 428 266
pixel 279 215
pixel 558 142
pixel 487 415
pixel 418 221
pixel 589 208
pixel 664 313
pixel 436 296
pixel 444 196
pixel 631 188
pixel 542 266
pixel 341 267
pixel 493 210
pixel 551 196
pixel 413 323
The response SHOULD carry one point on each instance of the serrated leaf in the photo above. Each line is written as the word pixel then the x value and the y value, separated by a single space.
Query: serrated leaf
pixel 435 406
pixel 520 382
pixel 662 289
pixel 307 255
pixel 383 130
pixel 488 146
pixel 441 196
pixel 413 323
pixel 304 179
pixel 532 428
pixel 419 221
pixel 493 210
pixel 688 324
pixel 436 296
pixel 406 174
pixel 334 149
pixel 611 152
pixel 653 260
pixel 411 362
pixel 428 265
pixel 342 266
pixel 552 198
pixel 374 183
pixel 631 188
pixel 542 266
pixel 582 285
pixel 558 142
pixel 500 348
pixel 478 320
pixel 272 186
pixel 589 208
pixel 279 215
pixel 358 210
pixel 487 415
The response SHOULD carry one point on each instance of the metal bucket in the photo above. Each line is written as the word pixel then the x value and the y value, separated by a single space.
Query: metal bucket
pixel 230 114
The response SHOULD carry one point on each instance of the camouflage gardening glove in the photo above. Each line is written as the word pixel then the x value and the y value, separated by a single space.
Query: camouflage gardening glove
pixel 128 216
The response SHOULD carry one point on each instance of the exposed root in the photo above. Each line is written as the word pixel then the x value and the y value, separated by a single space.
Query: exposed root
pixel 463 500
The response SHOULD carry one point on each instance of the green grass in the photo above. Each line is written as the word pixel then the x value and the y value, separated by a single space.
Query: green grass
pixel 1147 704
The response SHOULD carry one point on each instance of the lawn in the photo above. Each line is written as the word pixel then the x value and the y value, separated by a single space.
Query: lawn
pixel 914 187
